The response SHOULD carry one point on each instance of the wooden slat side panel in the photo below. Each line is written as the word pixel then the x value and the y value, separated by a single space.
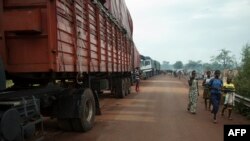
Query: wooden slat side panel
pixel 65 37
pixel 74 36
pixel 83 34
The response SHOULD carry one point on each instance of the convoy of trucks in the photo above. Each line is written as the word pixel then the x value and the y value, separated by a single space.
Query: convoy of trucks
pixel 60 54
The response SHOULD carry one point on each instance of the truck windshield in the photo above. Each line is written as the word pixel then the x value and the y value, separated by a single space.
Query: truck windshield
pixel 147 63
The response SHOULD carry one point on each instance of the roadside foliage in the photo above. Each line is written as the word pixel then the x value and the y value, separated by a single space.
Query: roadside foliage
pixel 242 80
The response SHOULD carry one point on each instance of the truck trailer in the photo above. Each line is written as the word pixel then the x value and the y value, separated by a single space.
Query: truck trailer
pixel 60 55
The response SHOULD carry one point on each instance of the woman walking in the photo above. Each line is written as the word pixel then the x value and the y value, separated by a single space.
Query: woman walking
pixel 215 86
pixel 193 93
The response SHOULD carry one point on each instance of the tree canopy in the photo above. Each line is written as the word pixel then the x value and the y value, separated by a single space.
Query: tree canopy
pixel 178 65
pixel 224 58
pixel 242 80
pixel 194 65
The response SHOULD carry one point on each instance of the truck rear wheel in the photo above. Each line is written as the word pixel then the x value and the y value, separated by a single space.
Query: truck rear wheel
pixel 87 112
pixel 121 89
pixel 128 86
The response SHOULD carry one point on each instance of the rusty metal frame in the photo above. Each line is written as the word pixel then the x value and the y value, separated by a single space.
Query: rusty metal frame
pixel 2 34
pixel 116 46
pixel 106 43
pixel 112 44
pixel 121 53
pixel 98 31
pixel 88 35
pixel 126 53
pixel 75 34
pixel 52 33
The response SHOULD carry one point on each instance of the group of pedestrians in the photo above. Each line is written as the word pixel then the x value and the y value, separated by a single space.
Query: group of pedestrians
pixel 212 94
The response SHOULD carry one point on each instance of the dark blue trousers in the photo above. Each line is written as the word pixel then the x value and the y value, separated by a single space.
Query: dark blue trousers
pixel 215 102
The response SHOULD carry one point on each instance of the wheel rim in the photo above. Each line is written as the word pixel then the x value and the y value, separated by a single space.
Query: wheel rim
pixel 88 110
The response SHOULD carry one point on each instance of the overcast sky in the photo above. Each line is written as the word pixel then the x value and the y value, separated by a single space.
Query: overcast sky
pixel 182 30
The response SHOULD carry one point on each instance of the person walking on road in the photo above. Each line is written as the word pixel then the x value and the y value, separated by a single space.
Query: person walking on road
pixel 193 93
pixel 215 86
pixel 206 92
pixel 229 89
pixel 179 74
pixel 137 79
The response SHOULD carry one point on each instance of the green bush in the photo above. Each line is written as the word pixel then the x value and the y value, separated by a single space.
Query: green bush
pixel 242 80
pixel 242 109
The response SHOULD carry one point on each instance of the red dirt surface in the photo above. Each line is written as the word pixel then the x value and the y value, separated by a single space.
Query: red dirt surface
pixel 157 113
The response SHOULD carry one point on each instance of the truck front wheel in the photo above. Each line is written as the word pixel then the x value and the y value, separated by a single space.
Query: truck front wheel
pixel 86 112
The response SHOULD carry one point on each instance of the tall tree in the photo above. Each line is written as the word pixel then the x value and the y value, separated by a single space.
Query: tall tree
pixel 194 65
pixel 207 66
pixel 216 66
pixel 178 65
pixel 242 80
pixel 224 58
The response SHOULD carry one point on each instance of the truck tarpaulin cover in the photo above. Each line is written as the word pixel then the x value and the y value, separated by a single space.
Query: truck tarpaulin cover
pixel 120 11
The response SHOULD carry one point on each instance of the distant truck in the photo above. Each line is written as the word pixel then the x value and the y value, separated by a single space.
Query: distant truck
pixel 60 54
pixel 149 67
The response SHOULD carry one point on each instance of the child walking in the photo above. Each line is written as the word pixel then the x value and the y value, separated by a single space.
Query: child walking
pixel 229 89
pixel 206 92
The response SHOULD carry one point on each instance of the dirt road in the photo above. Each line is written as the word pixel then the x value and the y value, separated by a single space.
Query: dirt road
pixel 157 113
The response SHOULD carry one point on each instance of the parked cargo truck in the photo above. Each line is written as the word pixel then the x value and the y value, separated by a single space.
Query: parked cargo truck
pixel 149 67
pixel 60 54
